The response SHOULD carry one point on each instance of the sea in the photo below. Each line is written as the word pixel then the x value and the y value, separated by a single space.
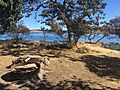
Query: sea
pixel 39 36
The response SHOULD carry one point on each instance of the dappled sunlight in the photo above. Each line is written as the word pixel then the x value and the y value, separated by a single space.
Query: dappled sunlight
pixel 103 65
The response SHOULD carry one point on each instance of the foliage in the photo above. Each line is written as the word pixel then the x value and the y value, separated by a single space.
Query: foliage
pixel 77 15
pixel 17 32
pixel 111 27
pixel 44 33
pixel 102 31
pixel 11 12
pixel 114 26
pixel 56 28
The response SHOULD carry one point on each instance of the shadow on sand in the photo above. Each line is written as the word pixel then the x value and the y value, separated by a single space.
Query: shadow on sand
pixel 103 65
pixel 34 83
pixel 11 76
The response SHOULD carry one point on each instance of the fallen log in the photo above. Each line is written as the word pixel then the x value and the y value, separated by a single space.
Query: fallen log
pixel 24 72
pixel 26 68
pixel 23 60
pixel 16 61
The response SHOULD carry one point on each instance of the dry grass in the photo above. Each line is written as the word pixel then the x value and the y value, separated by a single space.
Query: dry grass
pixel 90 67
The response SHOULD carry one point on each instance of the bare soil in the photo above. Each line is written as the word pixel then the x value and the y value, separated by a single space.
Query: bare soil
pixel 88 67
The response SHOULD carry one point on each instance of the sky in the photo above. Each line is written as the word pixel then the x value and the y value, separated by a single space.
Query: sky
pixel 112 10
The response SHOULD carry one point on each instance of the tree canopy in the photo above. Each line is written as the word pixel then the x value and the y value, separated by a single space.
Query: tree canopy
pixel 11 11
pixel 113 26
pixel 77 15
pixel 18 31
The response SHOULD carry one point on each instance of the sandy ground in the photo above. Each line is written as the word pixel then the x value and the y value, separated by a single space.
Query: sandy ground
pixel 87 67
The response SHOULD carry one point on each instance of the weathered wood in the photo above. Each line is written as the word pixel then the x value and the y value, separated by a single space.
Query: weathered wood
pixel 18 61
pixel 28 64
pixel 27 59
pixel 25 68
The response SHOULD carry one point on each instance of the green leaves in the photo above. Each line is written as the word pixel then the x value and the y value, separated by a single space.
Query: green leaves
pixel 77 15
pixel 1 2
pixel 10 13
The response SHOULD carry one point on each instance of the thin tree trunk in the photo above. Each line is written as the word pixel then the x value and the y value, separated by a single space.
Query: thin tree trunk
pixel 101 38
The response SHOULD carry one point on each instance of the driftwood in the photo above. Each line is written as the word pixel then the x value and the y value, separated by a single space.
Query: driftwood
pixel 33 59
pixel 25 68
pixel 18 61
pixel 26 64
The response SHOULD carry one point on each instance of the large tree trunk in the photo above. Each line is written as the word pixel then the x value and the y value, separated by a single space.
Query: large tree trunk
pixel 69 34
pixel 73 37
pixel 73 34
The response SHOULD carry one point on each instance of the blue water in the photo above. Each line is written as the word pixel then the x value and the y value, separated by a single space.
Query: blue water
pixel 107 39
pixel 52 37
pixel 41 37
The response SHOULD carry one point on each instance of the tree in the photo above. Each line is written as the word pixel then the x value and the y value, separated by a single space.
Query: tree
pixel 44 33
pixel 55 28
pixel 75 14
pixel 114 26
pixel 110 27
pixel 18 31
pixel 11 12
pixel 101 30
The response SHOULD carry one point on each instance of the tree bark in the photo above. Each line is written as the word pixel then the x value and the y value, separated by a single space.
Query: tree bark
pixel 69 34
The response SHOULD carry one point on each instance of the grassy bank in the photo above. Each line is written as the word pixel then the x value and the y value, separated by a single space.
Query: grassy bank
pixel 113 46
pixel 4 41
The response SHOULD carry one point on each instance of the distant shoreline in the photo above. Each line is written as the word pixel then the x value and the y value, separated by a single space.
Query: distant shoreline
pixel 37 35
pixel 35 31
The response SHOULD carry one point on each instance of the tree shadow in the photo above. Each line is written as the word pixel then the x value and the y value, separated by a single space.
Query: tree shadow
pixel 72 85
pixel 21 48
pixel 29 80
pixel 35 83
pixel 57 46
pixel 11 76
pixel 103 65
pixel 62 85
pixel 3 86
